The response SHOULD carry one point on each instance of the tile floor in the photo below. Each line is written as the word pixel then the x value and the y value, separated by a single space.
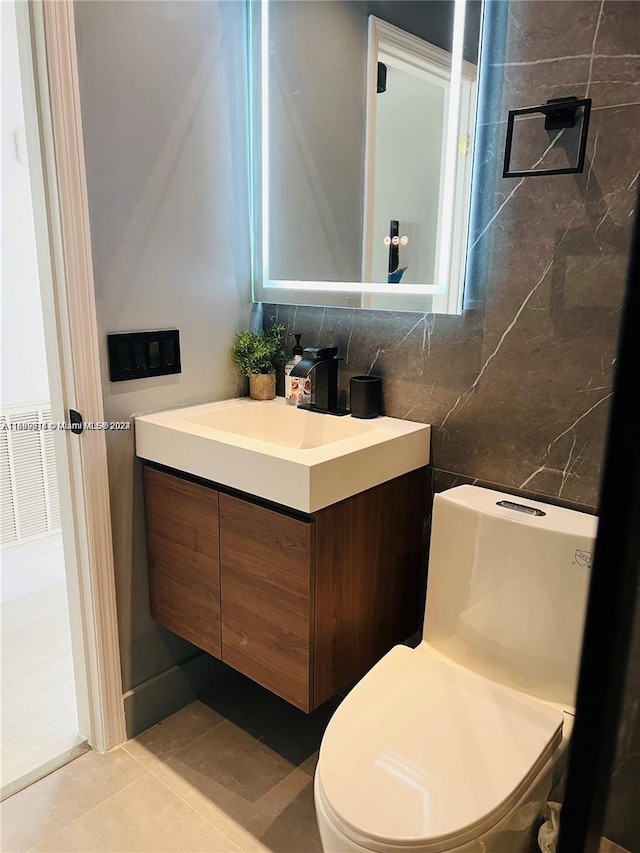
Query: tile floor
pixel 233 772
pixel 37 688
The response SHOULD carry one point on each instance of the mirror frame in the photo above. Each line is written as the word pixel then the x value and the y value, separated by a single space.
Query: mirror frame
pixel 452 237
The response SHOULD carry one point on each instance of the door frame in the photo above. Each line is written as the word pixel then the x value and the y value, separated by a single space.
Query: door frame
pixel 613 596
pixel 49 77
pixel 423 59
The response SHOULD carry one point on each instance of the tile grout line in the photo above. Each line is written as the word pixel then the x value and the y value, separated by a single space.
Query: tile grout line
pixel 196 739
pixel 164 761
pixel 191 742
pixel 88 811
pixel 150 772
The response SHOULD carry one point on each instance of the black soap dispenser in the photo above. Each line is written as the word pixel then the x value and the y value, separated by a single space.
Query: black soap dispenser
pixel 293 385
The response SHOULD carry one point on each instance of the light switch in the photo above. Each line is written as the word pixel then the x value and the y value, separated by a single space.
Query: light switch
pixel 137 355
pixel 154 354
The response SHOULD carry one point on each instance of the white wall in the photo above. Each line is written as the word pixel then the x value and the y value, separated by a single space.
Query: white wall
pixel 163 110
pixel 409 125
pixel 317 112
pixel 318 61
pixel 23 363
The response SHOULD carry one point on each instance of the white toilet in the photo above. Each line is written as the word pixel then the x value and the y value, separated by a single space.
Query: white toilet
pixel 455 745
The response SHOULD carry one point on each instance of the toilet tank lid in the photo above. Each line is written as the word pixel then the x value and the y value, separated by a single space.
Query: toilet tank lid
pixel 522 510
pixel 422 750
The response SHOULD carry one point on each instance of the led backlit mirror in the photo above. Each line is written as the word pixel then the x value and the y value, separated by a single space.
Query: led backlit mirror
pixel 364 124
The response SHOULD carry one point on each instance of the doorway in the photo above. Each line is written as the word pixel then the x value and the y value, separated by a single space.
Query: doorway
pixel 38 702
pixel 60 688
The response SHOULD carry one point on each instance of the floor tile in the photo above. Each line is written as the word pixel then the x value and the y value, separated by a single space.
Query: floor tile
pixel 231 767
pixel 245 819
pixel 174 733
pixel 607 846
pixel 309 766
pixel 286 730
pixel 295 830
pixel 246 782
pixel 39 748
pixel 209 809
pixel 145 816
pixel 43 808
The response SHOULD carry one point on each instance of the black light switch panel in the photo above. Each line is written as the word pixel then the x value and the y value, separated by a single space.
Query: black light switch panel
pixel 137 355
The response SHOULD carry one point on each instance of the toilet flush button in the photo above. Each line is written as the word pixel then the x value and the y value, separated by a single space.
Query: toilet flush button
pixel 529 510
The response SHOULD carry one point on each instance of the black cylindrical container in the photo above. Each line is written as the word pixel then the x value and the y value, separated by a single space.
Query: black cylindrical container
pixel 365 396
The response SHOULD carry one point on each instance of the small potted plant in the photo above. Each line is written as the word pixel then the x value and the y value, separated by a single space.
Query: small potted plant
pixel 259 355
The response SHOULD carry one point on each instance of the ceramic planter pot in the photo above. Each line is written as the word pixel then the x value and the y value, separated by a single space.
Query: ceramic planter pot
pixel 262 386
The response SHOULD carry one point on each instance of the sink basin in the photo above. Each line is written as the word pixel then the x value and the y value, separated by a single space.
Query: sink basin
pixel 299 459
pixel 282 425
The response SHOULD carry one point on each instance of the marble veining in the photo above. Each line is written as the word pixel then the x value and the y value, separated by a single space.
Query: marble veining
pixel 518 387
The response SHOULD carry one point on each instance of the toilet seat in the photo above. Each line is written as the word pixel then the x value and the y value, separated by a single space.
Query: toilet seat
pixel 437 754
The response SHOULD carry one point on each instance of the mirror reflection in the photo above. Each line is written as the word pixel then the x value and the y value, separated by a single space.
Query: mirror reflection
pixel 368 110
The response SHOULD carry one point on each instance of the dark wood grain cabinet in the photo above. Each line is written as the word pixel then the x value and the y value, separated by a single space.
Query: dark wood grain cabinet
pixel 304 605
pixel 184 558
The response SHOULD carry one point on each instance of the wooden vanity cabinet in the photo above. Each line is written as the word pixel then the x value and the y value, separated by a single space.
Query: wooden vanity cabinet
pixel 184 558
pixel 267 597
pixel 304 605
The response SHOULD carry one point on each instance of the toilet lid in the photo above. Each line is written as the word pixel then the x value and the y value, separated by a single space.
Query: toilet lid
pixel 423 750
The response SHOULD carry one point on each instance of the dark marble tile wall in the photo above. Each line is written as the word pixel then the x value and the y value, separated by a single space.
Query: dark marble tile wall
pixel 517 388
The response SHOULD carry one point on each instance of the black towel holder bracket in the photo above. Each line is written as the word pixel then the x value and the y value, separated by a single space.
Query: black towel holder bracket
pixel 559 113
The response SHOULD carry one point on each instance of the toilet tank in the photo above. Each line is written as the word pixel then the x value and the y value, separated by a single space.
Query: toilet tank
pixel 507 588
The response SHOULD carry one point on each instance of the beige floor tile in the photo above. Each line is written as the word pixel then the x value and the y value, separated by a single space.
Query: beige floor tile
pixel 293 828
pixel 43 808
pixel 146 817
pixel 194 782
pixel 238 784
pixel 607 846
pixel 208 808
pixel 38 748
pixel 309 766
pixel 241 786
pixel 277 800
pixel 174 733
pixel 232 768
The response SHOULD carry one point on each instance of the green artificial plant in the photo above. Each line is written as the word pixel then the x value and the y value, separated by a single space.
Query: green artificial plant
pixel 259 352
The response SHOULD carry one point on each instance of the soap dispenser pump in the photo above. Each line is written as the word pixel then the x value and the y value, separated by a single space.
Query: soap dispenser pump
pixel 292 385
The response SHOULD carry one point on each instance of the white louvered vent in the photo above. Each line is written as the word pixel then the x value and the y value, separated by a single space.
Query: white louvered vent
pixel 53 500
pixel 30 502
pixel 8 517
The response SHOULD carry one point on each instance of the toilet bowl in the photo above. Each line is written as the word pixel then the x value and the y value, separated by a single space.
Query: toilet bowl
pixel 455 745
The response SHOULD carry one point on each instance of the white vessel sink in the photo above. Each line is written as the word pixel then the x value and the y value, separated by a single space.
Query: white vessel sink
pixel 300 459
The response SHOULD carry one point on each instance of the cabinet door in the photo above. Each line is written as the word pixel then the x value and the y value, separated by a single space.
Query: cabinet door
pixel 182 547
pixel 266 571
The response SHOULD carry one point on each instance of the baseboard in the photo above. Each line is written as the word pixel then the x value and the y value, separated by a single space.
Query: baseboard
pixel 164 694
